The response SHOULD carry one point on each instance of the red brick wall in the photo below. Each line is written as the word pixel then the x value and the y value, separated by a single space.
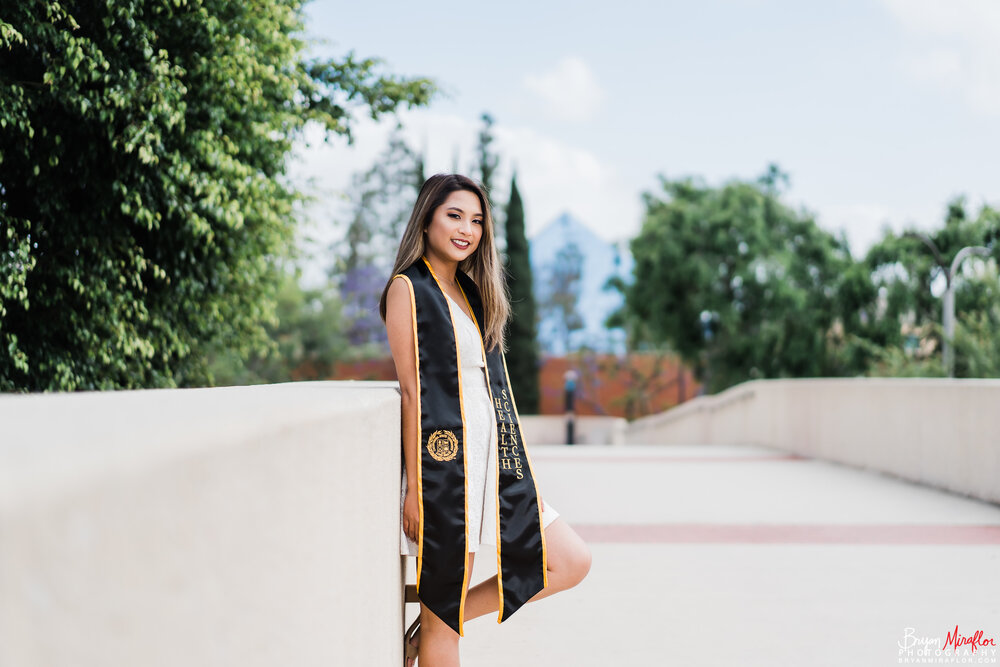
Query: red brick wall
pixel 643 384
pixel 638 385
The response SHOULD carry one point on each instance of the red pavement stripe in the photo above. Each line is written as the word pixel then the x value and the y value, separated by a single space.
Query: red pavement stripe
pixel 666 459
pixel 667 533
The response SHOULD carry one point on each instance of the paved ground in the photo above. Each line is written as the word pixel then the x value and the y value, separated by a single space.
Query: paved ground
pixel 721 555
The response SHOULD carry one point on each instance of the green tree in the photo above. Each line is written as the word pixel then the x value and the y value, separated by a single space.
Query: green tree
pixel 738 284
pixel 888 295
pixel 522 328
pixel 308 339
pixel 144 206
pixel 381 201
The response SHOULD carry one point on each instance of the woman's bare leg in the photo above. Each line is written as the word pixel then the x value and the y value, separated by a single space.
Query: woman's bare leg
pixel 438 643
pixel 567 561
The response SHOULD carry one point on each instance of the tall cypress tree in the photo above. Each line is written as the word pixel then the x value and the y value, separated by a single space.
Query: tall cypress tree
pixel 522 359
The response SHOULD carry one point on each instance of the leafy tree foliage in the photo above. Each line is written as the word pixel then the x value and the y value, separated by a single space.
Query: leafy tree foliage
pixel 308 339
pixel 892 286
pixel 381 201
pixel 737 283
pixel 742 287
pixel 144 208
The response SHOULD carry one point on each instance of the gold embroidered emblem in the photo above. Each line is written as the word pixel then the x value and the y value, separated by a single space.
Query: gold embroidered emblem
pixel 442 445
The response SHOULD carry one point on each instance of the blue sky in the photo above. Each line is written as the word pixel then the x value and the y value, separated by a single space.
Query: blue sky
pixel 880 110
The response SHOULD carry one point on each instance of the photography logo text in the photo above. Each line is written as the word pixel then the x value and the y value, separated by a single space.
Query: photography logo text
pixel 978 648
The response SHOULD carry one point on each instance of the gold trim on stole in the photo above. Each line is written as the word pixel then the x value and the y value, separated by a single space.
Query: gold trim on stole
pixel 534 480
pixel 496 468
pixel 420 485
pixel 465 457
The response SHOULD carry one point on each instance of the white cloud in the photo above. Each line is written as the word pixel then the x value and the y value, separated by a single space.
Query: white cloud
pixel 554 177
pixel 865 223
pixel 955 46
pixel 569 90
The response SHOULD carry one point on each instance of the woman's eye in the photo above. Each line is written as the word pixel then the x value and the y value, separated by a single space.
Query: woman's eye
pixel 456 216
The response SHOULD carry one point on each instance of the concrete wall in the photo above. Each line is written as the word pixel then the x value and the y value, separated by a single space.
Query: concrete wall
pixel 227 526
pixel 587 430
pixel 260 525
pixel 936 431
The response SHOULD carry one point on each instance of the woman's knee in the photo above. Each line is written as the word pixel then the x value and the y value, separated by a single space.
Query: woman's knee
pixel 579 563
pixel 432 625
pixel 573 565
pixel 568 554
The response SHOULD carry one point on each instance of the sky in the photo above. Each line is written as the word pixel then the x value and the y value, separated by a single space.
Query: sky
pixel 880 111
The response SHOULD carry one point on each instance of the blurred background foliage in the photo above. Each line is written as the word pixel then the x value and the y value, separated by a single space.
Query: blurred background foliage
pixel 147 226
pixel 309 337
pixel 743 287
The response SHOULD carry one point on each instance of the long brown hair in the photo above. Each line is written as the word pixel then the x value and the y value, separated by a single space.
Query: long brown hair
pixel 483 266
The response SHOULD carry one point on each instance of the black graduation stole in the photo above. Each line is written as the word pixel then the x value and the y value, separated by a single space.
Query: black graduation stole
pixel 441 465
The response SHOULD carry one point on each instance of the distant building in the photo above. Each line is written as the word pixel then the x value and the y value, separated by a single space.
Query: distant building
pixel 570 266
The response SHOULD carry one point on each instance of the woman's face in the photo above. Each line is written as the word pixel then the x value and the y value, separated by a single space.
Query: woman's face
pixel 456 227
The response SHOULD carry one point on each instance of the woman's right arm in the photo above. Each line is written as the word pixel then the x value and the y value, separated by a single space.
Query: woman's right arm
pixel 399 327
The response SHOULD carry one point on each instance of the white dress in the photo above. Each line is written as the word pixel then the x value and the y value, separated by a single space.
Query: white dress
pixel 480 441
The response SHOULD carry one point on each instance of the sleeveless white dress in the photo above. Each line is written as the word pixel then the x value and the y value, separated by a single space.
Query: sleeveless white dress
pixel 480 441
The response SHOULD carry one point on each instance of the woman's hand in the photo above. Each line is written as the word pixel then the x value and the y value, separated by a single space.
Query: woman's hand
pixel 543 504
pixel 411 515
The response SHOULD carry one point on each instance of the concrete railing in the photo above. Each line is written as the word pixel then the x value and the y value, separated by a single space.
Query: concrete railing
pixel 587 429
pixel 227 526
pixel 936 431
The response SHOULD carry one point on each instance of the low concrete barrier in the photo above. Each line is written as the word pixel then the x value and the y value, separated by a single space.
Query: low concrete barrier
pixel 936 431
pixel 587 430
pixel 227 526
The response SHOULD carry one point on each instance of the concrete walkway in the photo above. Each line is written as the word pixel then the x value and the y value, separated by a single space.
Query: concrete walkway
pixel 725 555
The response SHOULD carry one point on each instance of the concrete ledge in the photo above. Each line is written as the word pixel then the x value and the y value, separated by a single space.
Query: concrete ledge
pixel 228 526
pixel 587 430
pixel 936 431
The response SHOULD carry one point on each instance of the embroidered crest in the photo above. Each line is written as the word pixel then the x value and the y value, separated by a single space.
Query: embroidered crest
pixel 442 445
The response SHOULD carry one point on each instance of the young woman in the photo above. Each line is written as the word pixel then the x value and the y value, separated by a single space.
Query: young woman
pixel 467 476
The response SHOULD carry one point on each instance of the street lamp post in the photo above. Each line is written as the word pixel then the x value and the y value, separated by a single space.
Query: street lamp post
pixel 570 378
pixel 709 320
pixel 948 305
